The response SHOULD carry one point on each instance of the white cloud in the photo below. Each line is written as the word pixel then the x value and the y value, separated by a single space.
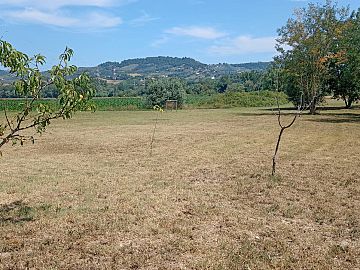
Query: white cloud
pixel 36 16
pixel 244 45
pixel 59 12
pixel 56 4
pixel 96 19
pixel 197 32
pixel 143 19
pixel 160 41
pixel 89 20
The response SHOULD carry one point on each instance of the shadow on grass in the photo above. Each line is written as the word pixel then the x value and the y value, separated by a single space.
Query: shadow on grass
pixel 337 118
pixel 267 111
pixel 15 212
pixel 336 114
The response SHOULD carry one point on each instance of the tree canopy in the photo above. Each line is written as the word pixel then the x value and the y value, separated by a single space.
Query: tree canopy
pixel 158 91
pixel 316 57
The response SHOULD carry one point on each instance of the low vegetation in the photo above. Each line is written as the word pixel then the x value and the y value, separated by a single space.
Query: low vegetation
pixel 101 104
pixel 252 99
pixel 119 104
pixel 237 99
pixel 16 105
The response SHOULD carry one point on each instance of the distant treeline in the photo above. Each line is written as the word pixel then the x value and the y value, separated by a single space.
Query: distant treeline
pixel 241 82
pixel 159 61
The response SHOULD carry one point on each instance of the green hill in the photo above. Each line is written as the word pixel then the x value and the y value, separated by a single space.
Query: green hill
pixel 160 66
pixel 186 68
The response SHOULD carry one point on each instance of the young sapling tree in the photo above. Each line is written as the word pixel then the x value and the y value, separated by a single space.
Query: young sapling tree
pixel 300 108
pixel 158 110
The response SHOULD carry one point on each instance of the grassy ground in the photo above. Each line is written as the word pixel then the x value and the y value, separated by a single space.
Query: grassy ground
pixel 87 195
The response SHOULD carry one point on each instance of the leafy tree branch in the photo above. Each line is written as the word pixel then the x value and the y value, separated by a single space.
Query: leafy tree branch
pixel 75 92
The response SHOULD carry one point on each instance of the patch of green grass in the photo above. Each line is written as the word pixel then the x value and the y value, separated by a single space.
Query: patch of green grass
pixel 16 212
pixel 19 103
pixel 120 104
pixel 227 100
pixel 241 99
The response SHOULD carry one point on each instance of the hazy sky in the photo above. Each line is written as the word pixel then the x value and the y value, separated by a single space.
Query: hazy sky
pixel 210 31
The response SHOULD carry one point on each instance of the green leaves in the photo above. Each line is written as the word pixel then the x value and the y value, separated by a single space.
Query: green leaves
pixel 16 61
pixel 160 90
pixel 39 59
pixel 74 92
pixel 67 54
pixel 307 43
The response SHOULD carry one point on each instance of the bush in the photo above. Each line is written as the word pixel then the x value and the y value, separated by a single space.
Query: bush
pixel 160 90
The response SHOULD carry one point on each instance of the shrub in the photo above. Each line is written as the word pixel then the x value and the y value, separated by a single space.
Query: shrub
pixel 160 90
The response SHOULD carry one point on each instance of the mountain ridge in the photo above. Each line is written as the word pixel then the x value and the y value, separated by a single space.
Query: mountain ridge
pixel 161 66
pixel 185 67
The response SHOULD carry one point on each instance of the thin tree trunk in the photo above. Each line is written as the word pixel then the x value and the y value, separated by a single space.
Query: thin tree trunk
pixel 313 107
pixel 153 135
pixel 349 103
pixel 276 151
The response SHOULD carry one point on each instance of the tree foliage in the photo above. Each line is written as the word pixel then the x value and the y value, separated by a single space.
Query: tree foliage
pixel 160 90
pixel 307 45
pixel 344 67
pixel 74 92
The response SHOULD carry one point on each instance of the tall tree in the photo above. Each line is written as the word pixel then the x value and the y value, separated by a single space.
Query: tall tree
pixel 344 67
pixel 306 44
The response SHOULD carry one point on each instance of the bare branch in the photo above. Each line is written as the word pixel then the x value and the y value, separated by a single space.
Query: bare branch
pixel 299 110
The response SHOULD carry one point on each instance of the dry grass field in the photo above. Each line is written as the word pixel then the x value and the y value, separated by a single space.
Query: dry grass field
pixel 87 194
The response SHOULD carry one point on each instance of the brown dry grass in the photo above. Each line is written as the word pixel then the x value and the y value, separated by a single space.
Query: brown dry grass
pixel 87 195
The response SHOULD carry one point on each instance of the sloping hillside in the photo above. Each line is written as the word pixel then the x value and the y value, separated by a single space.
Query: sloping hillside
pixel 186 68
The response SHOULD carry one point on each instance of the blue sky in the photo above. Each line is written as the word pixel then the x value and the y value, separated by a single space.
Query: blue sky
pixel 210 31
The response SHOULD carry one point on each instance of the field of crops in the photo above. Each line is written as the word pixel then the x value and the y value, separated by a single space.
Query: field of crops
pixel 227 100
pixel 120 104
pixel 18 104
pixel 102 104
